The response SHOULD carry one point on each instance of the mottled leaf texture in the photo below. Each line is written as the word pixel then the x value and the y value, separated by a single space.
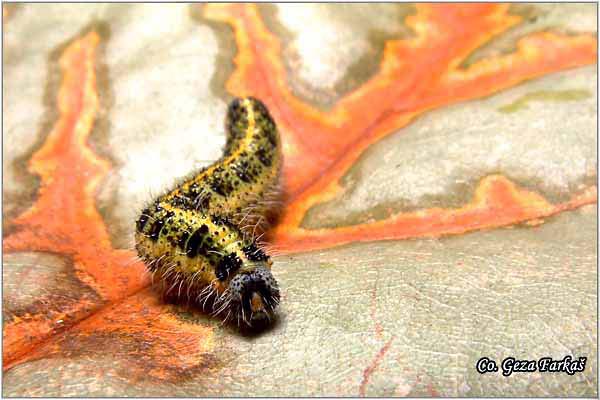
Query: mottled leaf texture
pixel 439 195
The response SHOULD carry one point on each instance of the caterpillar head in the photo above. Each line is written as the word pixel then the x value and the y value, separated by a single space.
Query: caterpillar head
pixel 253 294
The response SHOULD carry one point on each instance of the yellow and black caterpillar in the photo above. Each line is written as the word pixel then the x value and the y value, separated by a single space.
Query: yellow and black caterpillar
pixel 200 239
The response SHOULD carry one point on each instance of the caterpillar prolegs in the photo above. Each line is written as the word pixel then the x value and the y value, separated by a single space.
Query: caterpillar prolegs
pixel 200 239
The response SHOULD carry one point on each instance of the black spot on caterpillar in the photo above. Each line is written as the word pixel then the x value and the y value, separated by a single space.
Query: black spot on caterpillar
pixel 200 238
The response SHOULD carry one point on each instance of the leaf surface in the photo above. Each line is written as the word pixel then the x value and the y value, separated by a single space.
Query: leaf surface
pixel 472 135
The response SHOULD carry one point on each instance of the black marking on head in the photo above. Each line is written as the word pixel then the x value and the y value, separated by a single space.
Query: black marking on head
pixel 228 265
pixel 244 285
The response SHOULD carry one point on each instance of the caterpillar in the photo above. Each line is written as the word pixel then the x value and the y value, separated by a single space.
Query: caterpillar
pixel 201 239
